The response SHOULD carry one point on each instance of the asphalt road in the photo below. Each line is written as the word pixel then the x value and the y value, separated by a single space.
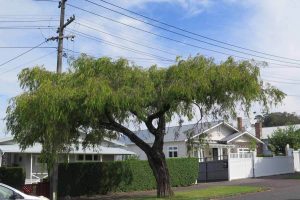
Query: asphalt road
pixel 279 188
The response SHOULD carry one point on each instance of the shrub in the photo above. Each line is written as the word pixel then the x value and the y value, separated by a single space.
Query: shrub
pixel 12 176
pixel 77 179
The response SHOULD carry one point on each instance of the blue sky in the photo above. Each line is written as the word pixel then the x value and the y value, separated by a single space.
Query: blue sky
pixel 269 26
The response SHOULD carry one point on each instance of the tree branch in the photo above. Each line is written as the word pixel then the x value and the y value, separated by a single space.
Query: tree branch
pixel 115 126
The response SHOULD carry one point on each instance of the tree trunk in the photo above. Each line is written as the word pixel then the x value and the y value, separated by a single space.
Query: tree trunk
pixel 160 170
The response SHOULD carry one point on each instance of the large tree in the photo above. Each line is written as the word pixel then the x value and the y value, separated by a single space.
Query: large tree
pixel 283 136
pixel 100 97
pixel 280 119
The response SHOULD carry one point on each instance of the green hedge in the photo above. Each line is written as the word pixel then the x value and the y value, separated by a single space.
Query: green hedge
pixel 76 179
pixel 12 176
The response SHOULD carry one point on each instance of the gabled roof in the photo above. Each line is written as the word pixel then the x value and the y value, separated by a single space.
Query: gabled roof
pixel 177 133
pixel 221 123
pixel 235 136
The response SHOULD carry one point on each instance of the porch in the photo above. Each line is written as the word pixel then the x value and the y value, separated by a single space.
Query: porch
pixel 35 170
pixel 216 152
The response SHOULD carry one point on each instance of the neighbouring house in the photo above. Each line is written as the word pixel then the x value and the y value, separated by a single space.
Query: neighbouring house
pixel 264 132
pixel 218 140
pixel 28 159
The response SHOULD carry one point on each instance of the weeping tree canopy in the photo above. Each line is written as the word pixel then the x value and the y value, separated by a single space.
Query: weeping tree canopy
pixel 99 97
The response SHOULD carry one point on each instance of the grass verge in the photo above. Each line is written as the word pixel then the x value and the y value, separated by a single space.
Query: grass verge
pixel 208 193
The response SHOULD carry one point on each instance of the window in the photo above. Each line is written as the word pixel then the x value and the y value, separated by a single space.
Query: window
pixel 96 157
pixel 80 157
pixel 89 157
pixel 243 150
pixel 173 152
pixel 6 193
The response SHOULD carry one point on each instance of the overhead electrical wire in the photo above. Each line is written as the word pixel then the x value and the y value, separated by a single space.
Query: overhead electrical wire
pixel 190 32
pixel 36 59
pixel 180 42
pixel 23 47
pixel 26 27
pixel 125 39
pixel 128 58
pixel 25 52
pixel 28 21
pixel 193 38
pixel 123 47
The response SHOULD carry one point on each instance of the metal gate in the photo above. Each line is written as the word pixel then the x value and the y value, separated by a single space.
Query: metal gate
pixel 216 170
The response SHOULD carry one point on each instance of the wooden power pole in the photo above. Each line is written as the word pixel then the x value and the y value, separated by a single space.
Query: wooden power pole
pixel 53 175
pixel 60 38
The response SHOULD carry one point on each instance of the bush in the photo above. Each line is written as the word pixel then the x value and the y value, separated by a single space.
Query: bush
pixel 76 179
pixel 12 176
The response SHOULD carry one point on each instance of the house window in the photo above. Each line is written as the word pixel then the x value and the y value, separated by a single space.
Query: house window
pixel 243 150
pixel 96 157
pixel 80 157
pixel 89 157
pixel 173 152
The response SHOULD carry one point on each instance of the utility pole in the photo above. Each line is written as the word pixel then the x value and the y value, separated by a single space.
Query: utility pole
pixel 53 175
pixel 60 38
pixel 62 5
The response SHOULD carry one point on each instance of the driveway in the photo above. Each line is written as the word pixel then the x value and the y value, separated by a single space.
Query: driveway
pixel 280 188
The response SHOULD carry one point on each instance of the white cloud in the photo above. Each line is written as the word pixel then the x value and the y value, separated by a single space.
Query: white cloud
pixel 274 27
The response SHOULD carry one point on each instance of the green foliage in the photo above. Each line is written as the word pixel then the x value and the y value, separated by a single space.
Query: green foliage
pixel 213 192
pixel 253 145
pixel 281 137
pixel 55 109
pixel 12 176
pixel 77 179
pixel 280 119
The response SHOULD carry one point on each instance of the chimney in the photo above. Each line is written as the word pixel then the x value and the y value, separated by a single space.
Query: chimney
pixel 258 134
pixel 240 124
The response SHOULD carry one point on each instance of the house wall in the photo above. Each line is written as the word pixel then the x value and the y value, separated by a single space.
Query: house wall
pixel 219 132
pixel 181 145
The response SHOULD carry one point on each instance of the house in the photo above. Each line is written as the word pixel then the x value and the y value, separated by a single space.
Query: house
pixel 28 159
pixel 219 139
pixel 264 132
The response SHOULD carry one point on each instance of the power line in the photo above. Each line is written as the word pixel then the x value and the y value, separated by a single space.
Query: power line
pixel 26 27
pixel 125 39
pixel 28 21
pixel 280 78
pixel 126 57
pixel 23 47
pixel 275 81
pixel 122 47
pixel 16 57
pixel 192 38
pixel 175 40
pixel 9 70
pixel 190 32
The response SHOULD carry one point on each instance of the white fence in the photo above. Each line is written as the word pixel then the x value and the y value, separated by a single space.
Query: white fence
pixel 246 166
pixel 296 155
pixel 239 167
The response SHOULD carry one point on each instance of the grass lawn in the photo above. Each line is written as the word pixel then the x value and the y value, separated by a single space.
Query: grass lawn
pixel 294 176
pixel 208 193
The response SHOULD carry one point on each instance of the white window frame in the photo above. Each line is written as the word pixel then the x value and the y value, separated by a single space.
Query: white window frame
pixel 243 150
pixel 172 150
pixel 85 160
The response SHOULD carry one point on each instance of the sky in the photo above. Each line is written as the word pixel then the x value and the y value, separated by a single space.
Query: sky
pixel 267 26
